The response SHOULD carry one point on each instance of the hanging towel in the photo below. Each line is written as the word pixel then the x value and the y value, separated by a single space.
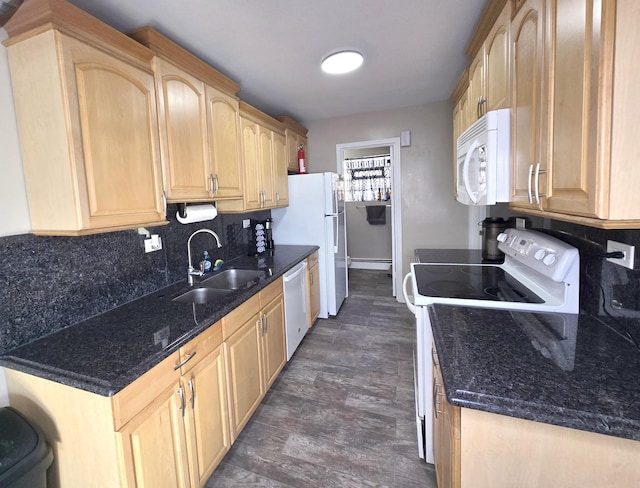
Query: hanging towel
pixel 376 214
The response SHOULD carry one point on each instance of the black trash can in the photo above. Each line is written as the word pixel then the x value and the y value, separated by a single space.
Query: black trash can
pixel 24 454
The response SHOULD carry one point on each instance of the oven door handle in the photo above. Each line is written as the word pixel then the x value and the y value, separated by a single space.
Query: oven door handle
pixel 410 305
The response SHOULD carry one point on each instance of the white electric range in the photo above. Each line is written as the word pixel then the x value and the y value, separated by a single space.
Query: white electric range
pixel 539 273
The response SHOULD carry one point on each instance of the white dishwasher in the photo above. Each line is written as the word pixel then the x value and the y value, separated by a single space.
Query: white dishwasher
pixel 295 306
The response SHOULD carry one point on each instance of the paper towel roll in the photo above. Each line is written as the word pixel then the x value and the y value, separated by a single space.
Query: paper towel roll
pixel 198 213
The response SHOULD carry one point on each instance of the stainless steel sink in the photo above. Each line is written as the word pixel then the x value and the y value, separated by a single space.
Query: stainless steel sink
pixel 201 296
pixel 232 279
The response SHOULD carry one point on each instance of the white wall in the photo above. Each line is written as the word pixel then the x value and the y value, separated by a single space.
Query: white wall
pixel 431 218
pixel 13 197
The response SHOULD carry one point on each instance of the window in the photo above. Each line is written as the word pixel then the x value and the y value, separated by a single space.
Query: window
pixel 367 179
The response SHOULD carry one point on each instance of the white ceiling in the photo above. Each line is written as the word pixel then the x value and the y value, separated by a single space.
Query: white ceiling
pixel 414 49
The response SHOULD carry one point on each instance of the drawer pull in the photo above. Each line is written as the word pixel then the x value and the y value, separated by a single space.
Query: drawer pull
pixel 186 360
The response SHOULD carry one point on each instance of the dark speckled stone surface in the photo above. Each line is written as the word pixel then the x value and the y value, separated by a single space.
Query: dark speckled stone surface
pixel 107 352
pixel 568 370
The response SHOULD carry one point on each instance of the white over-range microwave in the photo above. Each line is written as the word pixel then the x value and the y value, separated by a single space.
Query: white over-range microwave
pixel 483 164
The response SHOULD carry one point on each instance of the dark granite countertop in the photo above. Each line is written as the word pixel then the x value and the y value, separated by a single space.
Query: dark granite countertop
pixel 461 256
pixel 106 353
pixel 569 370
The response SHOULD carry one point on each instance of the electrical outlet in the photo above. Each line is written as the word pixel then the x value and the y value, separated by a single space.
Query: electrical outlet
pixel 629 253
pixel 154 243
pixel 246 223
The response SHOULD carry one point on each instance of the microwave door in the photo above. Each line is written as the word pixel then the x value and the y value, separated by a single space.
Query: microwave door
pixel 472 176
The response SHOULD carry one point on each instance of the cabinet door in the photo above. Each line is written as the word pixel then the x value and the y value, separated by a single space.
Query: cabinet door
pixel 117 131
pixel 275 355
pixel 224 135
pixel 576 54
pixel 527 129
pixel 476 91
pixel 207 421
pixel 446 435
pixel 314 294
pixel 153 444
pixel 292 151
pixel 497 74
pixel 251 164
pixel 243 352
pixel 280 166
pixel 183 134
pixel 267 169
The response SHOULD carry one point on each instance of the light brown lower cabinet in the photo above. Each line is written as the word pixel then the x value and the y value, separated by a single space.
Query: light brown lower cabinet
pixel 173 425
pixel 475 449
pixel 313 288
pixel 254 345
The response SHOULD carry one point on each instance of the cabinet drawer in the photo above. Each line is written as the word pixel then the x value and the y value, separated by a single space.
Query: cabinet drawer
pixel 131 400
pixel 197 349
pixel 312 260
pixel 238 317
pixel 270 292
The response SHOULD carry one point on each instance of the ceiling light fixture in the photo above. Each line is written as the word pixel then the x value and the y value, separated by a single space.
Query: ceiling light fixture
pixel 342 62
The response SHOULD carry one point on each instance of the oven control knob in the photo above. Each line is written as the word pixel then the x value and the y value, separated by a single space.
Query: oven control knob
pixel 549 259
pixel 540 253
pixel 502 237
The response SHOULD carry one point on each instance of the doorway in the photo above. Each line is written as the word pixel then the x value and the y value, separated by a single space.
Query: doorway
pixel 393 145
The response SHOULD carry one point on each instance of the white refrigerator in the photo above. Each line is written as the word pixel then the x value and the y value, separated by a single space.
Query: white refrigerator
pixel 315 216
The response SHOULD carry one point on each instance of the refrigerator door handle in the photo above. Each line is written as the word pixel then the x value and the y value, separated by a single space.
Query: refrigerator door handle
pixel 335 235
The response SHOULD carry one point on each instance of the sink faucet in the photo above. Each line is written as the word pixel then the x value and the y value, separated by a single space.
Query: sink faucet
pixel 191 272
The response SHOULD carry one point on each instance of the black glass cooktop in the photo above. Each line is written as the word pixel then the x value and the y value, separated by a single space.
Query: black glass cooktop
pixel 471 283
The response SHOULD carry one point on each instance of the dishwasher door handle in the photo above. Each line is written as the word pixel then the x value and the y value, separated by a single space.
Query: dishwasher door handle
pixel 295 272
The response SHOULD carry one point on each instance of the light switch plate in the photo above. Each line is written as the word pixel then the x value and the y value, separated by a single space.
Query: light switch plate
pixel 246 223
pixel 629 253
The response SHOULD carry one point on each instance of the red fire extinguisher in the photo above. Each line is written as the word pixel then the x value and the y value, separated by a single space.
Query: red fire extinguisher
pixel 301 163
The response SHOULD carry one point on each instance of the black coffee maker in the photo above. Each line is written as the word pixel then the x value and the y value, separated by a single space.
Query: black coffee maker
pixel 491 227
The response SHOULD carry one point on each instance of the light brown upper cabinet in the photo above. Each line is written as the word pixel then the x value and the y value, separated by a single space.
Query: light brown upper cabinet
pixel 199 125
pixel 279 145
pixel 86 111
pixel 529 169
pixel 262 143
pixel 489 71
pixel 296 135
pixel 459 99
pixel 587 137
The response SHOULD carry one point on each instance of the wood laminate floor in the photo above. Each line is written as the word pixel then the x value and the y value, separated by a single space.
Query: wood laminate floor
pixel 341 413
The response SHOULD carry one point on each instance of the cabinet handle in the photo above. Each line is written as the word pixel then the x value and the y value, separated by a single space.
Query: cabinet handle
pixel 193 394
pixel 211 187
pixel 478 108
pixel 529 191
pixel 277 196
pixel 187 359
pixel 261 325
pixel 181 393
pixel 536 183
pixel 435 400
pixel 217 185
pixel 266 323
pixel 434 358
pixel 164 203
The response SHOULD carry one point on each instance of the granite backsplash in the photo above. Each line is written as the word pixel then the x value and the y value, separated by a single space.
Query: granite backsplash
pixel 607 290
pixel 49 283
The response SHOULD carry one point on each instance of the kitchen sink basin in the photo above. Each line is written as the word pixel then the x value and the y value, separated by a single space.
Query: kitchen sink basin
pixel 201 296
pixel 232 279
